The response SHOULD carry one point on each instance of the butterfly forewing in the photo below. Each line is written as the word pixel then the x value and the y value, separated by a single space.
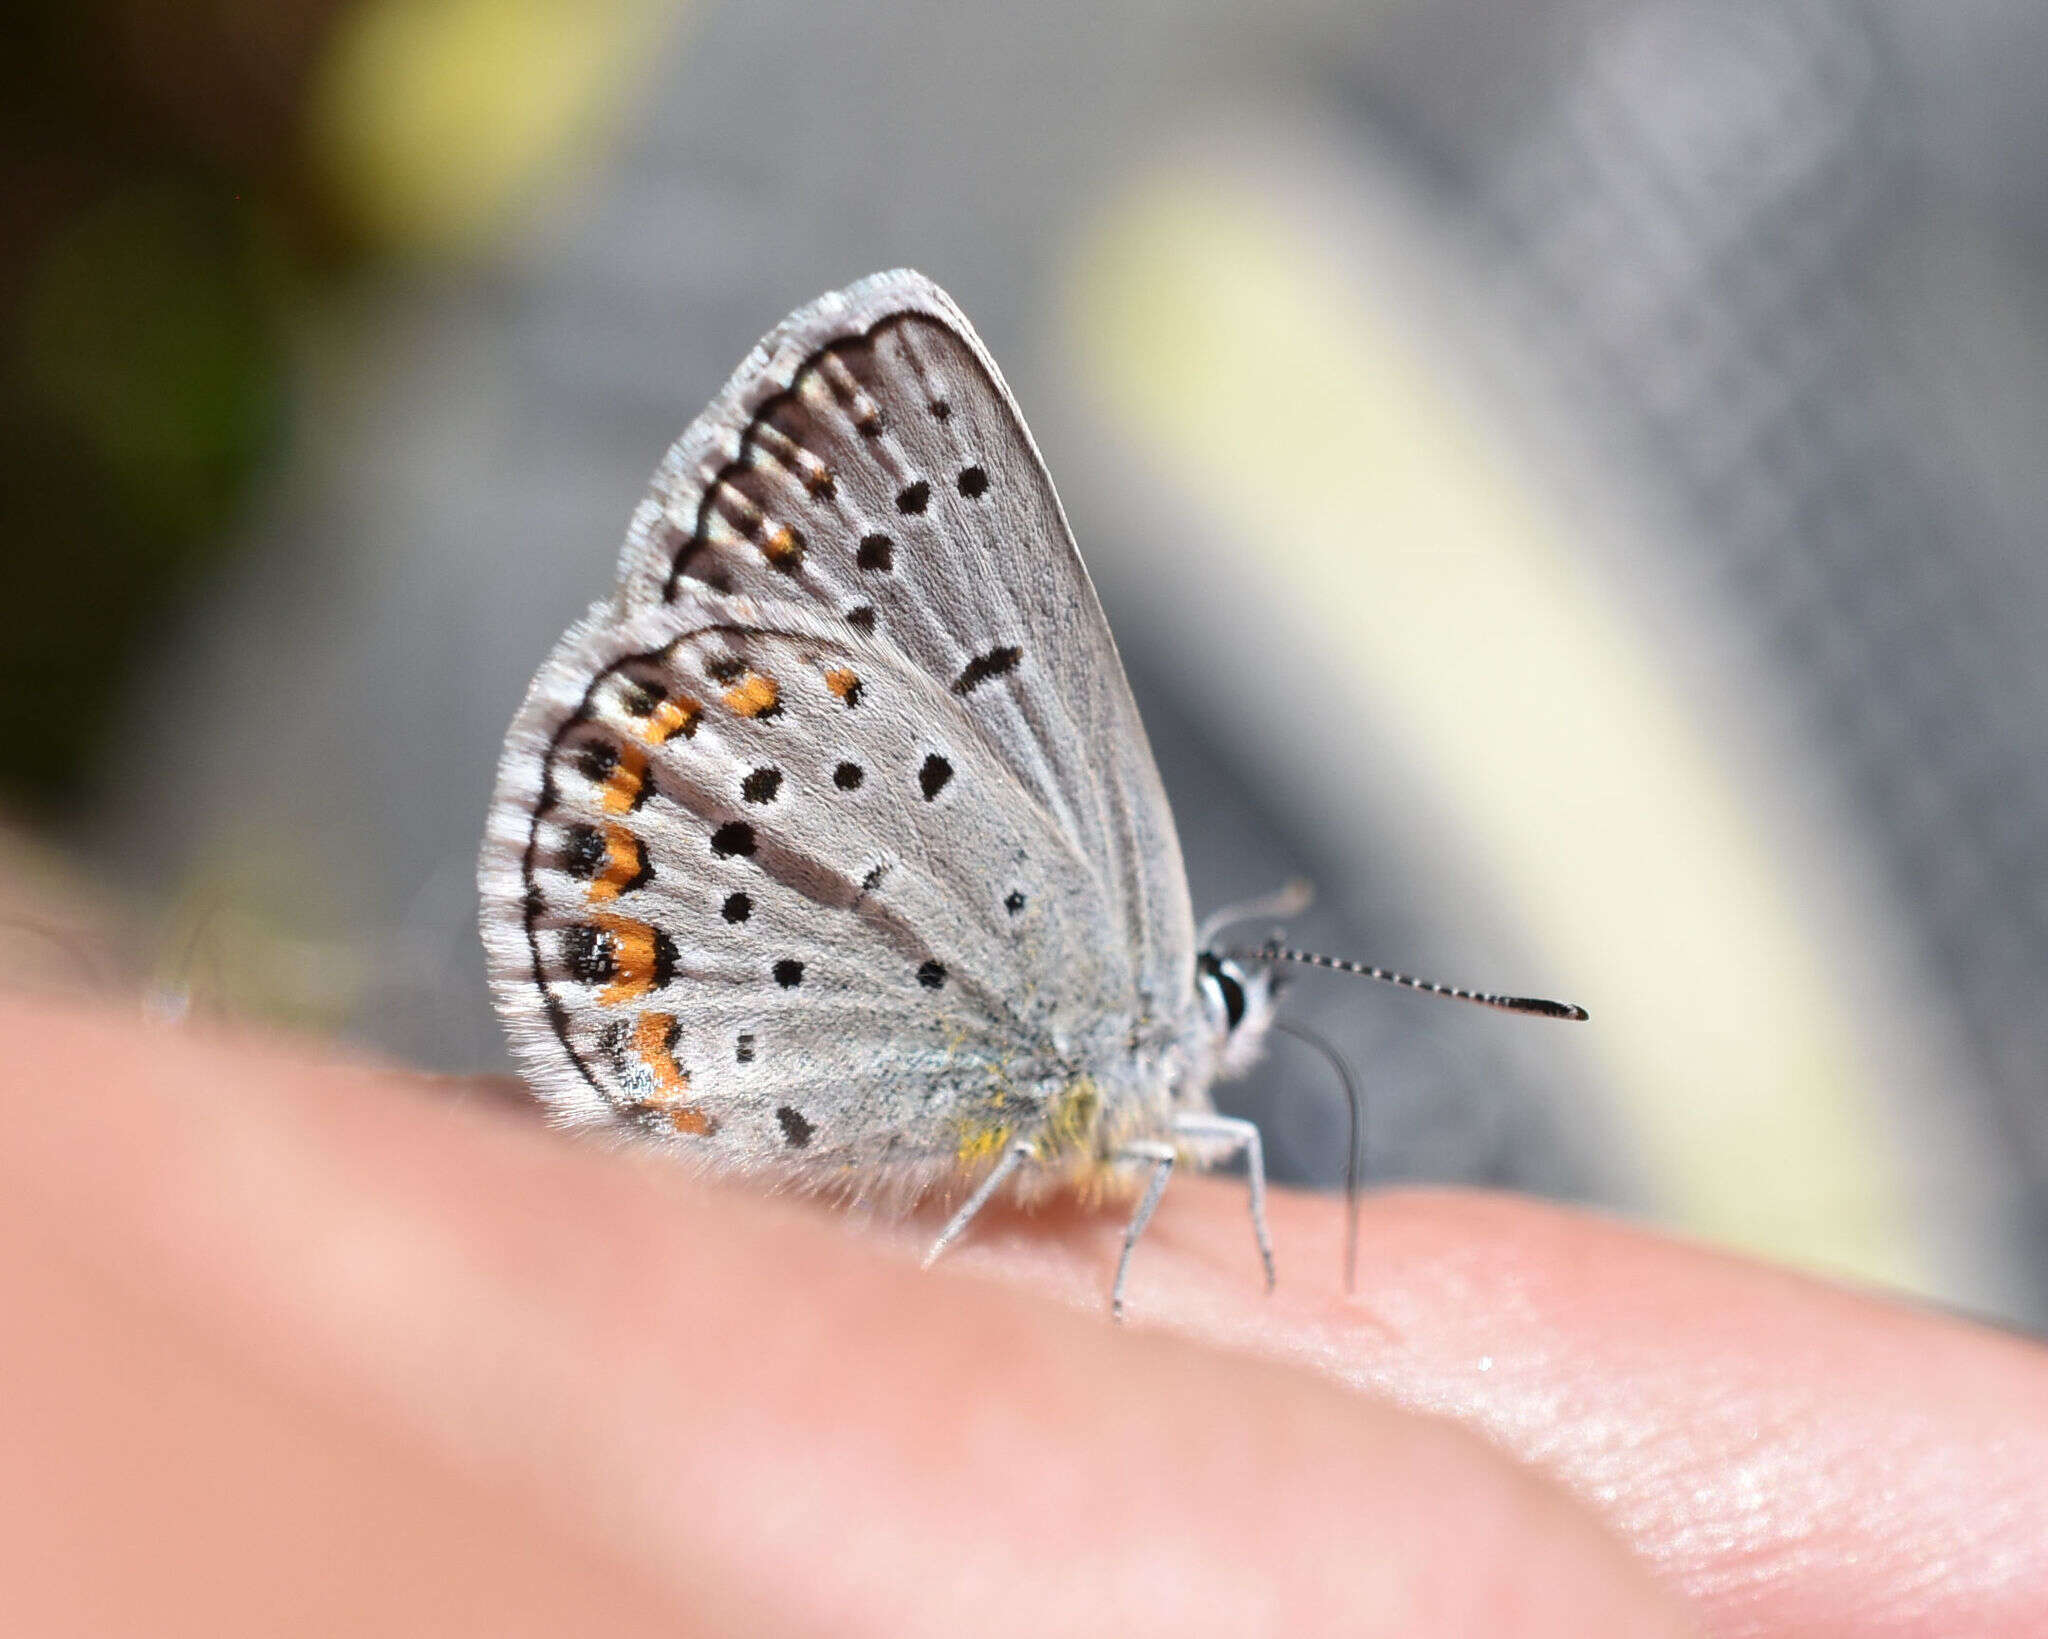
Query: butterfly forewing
pixel 869 460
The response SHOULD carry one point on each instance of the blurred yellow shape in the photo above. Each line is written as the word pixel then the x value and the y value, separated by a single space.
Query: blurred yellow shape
pixel 434 120
pixel 1444 608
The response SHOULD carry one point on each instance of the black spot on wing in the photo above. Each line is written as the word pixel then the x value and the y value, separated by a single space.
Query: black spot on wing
pixel 789 973
pixel 997 662
pixel 934 776
pixel 914 498
pixel 589 954
pixel 796 1131
pixel 641 696
pixel 972 482
pixel 733 837
pixel 583 851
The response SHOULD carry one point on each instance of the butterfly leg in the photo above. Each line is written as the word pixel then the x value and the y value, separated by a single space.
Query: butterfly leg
pixel 1238 1134
pixel 1013 1158
pixel 1160 1157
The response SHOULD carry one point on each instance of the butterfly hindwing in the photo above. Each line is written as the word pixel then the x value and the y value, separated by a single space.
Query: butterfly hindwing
pixel 765 889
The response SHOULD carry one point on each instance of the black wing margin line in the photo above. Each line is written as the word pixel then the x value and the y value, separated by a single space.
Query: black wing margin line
pixel 687 552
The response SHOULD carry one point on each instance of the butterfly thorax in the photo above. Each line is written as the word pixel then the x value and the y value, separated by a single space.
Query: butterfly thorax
pixel 1129 1090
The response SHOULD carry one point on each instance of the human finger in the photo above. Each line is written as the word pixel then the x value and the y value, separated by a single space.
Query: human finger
pixel 1795 1456
pixel 756 1420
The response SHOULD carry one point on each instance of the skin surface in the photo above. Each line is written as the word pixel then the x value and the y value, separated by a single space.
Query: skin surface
pixel 298 1345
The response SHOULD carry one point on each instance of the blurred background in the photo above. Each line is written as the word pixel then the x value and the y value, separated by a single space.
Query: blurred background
pixel 1567 476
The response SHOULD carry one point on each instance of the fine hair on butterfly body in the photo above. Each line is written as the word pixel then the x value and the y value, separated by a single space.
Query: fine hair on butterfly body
pixel 828 848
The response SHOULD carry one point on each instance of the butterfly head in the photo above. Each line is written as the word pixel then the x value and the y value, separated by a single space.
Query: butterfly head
pixel 1237 1000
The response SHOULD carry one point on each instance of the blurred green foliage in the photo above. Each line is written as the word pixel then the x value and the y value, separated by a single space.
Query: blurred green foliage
pixel 176 182
pixel 151 233
pixel 142 337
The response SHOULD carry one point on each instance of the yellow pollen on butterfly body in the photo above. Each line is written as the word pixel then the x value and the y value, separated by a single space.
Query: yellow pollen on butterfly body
pixel 678 714
pixel 982 1142
pixel 624 860
pixel 1067 1132
pixel 626 781
pixel 633 959
pixel 753 695
pixel 1070 1121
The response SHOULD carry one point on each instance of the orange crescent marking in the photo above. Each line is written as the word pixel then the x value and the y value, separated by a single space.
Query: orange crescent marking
pixel 677 715
pixel 632 959
pixel 753 694
pixel 627 782
pixel 845 683
pixel 651 1037
pixel 624 859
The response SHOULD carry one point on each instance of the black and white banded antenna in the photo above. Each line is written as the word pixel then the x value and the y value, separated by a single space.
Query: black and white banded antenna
pixel 1273 951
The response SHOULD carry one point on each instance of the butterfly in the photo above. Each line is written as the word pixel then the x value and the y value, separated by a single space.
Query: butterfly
pixel 829 849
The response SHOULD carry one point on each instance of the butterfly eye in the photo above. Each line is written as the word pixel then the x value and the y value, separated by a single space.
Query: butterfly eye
pixel 1223 986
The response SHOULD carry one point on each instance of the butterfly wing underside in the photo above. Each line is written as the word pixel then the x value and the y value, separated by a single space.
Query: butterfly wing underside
pixel 833 840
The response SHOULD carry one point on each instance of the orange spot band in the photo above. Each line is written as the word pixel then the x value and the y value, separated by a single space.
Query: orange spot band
pixel 625 864
pixel 678 714
pixel 626 784
pixel 654 1039
pixel 637 959
pixel 755 695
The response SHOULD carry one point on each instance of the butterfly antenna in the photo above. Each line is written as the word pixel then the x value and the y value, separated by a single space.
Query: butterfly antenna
pixel 1290 900
pixel 1273 951
pixel 1354 1154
